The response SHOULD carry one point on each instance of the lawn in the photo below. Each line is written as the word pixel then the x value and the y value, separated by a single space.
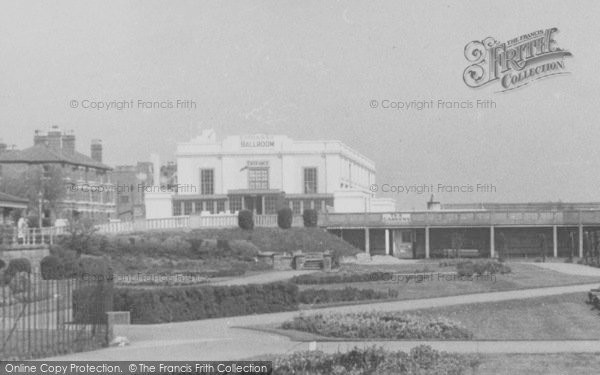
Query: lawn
pixel 539 364
pixel 523 276
pixel 560 317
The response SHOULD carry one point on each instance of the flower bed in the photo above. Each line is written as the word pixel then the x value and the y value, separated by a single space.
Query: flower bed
pixel 488 267
pixel 378 325
pixel 315 296
pixel 420 360
pixel 351 277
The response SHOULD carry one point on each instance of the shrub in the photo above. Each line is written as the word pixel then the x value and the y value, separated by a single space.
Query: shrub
pixel 176 304
pixel 51 268
pixel 95 269
pixel 310 218
pixel 92 301
pixel 491 267
pixel 378 325
pixel 246 220
pixel 317 296
pixel 375 360
pixel 15 266
pixel 285 217
pixel 2 264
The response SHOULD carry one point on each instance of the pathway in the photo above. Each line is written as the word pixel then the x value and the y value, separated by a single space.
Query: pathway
pixel 218 339
pixel 570 268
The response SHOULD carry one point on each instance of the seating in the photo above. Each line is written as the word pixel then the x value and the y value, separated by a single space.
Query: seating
pixel 462 253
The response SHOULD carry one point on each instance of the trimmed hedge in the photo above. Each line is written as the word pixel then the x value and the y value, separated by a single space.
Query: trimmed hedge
pixel 92 301
pixel 310 218
pixel 285 217
pixel 246 220
pixel 51 268
pixel 317 296
pixel 177 304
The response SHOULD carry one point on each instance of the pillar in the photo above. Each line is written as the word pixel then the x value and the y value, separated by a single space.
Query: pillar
pixel 367 242
pixel 580 240
pixel 555 241
pixel 387 242
pixel 492 243
pixel 426 242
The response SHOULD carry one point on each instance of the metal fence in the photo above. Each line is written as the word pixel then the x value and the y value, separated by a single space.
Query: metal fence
pixel 43 318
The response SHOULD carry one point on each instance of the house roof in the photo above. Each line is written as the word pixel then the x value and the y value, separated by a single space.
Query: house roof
pixel 41 154
pixel 7 200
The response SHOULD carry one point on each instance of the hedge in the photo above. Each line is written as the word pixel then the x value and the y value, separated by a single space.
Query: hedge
pixel 338 278
pixel 177 304
pixel 246 220
pixel 491 267
pixel 422 359
pixel 310 218
pixel 317 296
pixel 92 301
pixel 51 268
pixel 284 218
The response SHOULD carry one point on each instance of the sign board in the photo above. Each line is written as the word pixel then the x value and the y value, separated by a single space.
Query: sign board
pixel 396 218
pixel 257 141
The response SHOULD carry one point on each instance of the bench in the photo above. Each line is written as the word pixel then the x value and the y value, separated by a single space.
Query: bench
pixel 462 253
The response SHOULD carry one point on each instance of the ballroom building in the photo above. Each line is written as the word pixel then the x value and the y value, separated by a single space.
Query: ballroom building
pixel 263 173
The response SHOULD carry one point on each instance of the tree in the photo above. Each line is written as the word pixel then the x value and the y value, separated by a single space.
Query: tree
pixel 80 234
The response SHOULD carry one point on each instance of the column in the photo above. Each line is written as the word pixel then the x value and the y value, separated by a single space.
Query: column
pixel 581 240
pixel 387 242
pixel 492 243
pixel 426 242
pixel 555 240
pixel 367 242
pixel 393 239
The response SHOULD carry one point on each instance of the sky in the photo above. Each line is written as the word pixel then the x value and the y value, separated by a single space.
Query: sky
pixel 310 70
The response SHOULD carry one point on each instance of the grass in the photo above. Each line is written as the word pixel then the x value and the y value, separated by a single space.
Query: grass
pixel 539 364
pixel 560 317
pixel 523 276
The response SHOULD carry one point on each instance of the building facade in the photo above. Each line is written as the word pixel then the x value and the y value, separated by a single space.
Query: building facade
pixel 53 174
pixel 130 182
pixel 262 173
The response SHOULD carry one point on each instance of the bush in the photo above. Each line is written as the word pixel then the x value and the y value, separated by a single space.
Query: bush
pixel 490 267
pixel 310 218
pixel 176 304
pixel 317 296
pixel 92 301
pixel 378 325
pixel 95 269
pixel 285 217
pixel 246 220
pixel 375 360
pixel 2 264
pixel 51 268
pixel 15 266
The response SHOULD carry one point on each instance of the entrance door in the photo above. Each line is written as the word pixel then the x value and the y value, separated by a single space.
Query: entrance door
pixel 403 243
pixel 254 203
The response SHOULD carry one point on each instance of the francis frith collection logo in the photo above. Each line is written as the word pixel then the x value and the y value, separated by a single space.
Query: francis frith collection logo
pixel 514 63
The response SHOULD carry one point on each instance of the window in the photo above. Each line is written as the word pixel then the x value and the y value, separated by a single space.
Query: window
pixel 124 199
pixel 310 180
pixel 258 178
pixel 271 204
pixel 207 181
pixel 406 236
pixel 220 206
pixel 187 208
pixel 296 208
pixel 235 203
pixel 176 208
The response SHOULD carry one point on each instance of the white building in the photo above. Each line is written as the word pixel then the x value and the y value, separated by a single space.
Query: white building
pixel 263 172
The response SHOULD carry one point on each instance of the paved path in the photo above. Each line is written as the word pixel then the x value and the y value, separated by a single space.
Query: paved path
pixel 262 278
pixel 218 339
pixel 570 268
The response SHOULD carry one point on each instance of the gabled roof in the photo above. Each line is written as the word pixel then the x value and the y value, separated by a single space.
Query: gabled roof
pixel 41 154
pixel 11 201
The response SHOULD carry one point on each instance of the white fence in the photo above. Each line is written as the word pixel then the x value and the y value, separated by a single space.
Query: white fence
pixel 47 235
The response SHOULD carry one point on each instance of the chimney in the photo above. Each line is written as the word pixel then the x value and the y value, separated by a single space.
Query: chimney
pixel 54 136
pixel 96 150
pixel 40 138
pixel 68 142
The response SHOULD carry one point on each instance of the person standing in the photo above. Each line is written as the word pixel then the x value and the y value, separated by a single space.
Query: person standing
pixel 22 227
